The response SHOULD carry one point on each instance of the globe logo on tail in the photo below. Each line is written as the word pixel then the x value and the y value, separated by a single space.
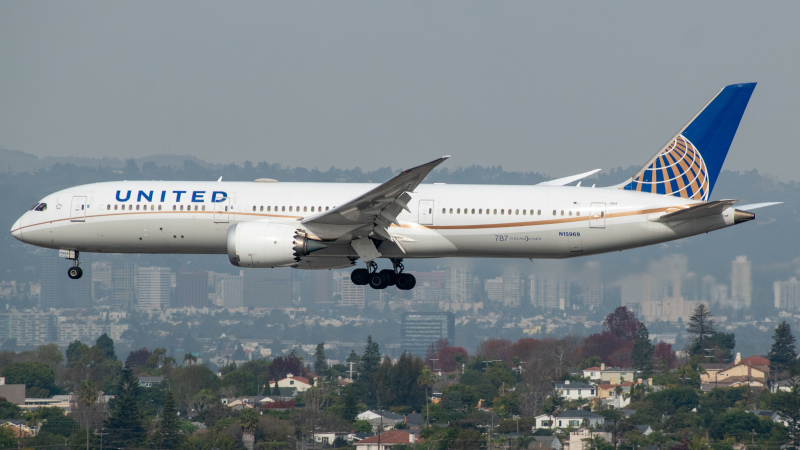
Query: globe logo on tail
pixel 678 169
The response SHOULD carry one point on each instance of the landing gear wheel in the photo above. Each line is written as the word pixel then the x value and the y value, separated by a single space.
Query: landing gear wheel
pixel 378 280
pixel 359 277
pixel 405 281
pixel 390 275
pixel 75 272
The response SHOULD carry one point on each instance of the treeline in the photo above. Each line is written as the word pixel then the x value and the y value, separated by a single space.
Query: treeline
pixel 503 383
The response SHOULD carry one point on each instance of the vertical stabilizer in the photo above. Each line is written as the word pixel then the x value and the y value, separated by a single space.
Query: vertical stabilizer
pixel 689 164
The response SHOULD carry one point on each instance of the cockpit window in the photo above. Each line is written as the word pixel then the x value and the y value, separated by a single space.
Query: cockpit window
pixel 40 207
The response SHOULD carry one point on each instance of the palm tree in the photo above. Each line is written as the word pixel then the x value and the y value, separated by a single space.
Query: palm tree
pixel 248 420
pixel 524 441
pixel 426 378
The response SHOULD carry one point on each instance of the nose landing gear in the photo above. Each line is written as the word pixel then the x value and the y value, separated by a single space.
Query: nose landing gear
pixel 75 271
pixel 384 278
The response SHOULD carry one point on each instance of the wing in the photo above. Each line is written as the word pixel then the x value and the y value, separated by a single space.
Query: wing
pixel 371 214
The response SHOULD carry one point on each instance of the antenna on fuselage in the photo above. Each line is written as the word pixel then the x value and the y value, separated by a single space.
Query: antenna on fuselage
pixel 220 179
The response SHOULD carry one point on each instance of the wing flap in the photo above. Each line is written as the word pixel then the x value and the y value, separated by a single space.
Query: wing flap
pixel 378 208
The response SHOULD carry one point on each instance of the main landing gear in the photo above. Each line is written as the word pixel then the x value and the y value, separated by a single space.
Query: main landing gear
pixel 384 278
pixel 75 271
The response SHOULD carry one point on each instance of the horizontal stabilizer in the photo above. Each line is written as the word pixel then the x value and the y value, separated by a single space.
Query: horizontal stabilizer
pixel 697 211
pixel 567 180
pixel 752 206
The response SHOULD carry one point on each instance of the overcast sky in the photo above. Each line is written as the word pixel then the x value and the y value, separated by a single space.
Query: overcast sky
pixel 554 87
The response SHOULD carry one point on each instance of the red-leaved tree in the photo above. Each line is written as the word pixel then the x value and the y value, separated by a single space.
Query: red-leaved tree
pixel 622 323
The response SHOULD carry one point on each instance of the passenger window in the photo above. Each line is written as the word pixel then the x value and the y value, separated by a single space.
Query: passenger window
pixel 554 212
pixel 473 210
pixel 480 211
pixel 451 210
pixel 115 207
pixel 305 208
pixel 130 207
pixel 109 207
pixel 495 212
pixel 516 212
pixel 137 207
pixel 458 211
pixel 502 211
pixel 577 213
pixel 159 207
pixel 538 212
pixel 174 208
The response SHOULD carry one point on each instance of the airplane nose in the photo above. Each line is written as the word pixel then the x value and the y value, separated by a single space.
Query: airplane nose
pixel 16 229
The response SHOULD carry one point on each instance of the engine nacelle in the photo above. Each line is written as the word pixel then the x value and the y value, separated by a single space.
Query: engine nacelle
pixel 262 244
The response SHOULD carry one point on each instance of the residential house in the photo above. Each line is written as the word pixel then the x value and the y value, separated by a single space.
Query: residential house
pixel 610 374
pixel 607 392
pixel 387 440
pixel 545 442
pixel 302 384
pixel 751 371
pixel 576 390
pixel 771 415
pixel 381 419
pixel 327 437
pixel 581 439
pixel 572 418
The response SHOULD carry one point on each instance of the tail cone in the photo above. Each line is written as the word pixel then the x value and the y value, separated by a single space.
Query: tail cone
pixel 740 216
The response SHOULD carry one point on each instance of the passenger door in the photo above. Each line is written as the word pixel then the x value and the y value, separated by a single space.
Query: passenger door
pixel 426 212
pixel 77 212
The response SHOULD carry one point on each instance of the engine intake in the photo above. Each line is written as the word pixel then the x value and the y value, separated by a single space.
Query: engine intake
pixel 260 244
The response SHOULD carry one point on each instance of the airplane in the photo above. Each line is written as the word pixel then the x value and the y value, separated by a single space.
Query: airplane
pixel 265 224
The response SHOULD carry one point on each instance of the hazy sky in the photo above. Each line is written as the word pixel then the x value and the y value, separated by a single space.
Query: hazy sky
pixel 555 87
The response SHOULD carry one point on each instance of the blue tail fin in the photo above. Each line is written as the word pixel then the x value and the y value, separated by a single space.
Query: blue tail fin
pixel 689 164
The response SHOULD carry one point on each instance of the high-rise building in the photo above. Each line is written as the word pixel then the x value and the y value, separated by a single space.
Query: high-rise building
pixel 123 294
pixel 419 330
pixel 350 294
pixel 191 289
pixel 549 293
pixel 741 286
pixel 153 287
pixel 494 289
pixel 787 294
pixel 458 284
pixel 267 288
pixel 229 289
pixel 28 328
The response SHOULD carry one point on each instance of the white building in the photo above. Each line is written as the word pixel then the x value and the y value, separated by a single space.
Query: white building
pixel 787 294
pixel 153 287
pixel 576 390
pixel 569 419
pixel 741 285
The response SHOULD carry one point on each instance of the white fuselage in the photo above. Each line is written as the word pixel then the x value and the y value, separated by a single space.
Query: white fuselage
pixel 444 220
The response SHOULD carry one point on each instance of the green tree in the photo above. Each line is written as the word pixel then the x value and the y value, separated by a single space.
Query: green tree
pixel 9 410
pixel 169 429
pixel 320 362
pixel 350 410
pixel 39 379
pixel 367 368
pixel 8 439
pixel 642 352
pixel 701 326
pixel 106 345
pixel 124 424
pixel 788 405
pixel 783 355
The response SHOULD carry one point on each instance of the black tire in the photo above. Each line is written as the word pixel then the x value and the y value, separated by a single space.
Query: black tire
pixel 378 280
pixel 391 276
pixel 413 281
pixel 75 272
pixel 404 281
pixel 359 277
